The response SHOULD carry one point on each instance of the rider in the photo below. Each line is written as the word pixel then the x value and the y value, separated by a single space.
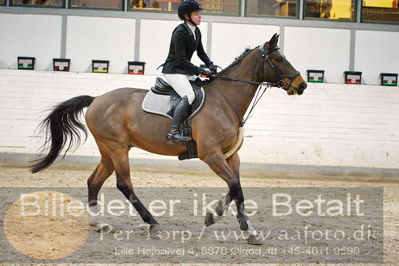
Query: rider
pixel 178 70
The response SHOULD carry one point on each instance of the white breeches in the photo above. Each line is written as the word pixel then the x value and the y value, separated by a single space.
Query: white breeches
pixel 181 85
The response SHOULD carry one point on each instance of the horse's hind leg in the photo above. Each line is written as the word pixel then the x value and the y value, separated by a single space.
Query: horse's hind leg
pixel 120 160
pixel 94 184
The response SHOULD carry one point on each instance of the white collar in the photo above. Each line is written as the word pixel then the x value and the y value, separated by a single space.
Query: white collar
pixel 191 27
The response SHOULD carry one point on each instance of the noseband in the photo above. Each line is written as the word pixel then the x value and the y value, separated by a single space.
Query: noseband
pixel 281 83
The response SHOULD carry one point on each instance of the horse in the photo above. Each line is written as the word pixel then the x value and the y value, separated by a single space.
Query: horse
pixel 118 123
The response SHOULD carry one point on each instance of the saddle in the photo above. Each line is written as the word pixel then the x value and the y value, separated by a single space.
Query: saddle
pixel 163 88
pixel 162 100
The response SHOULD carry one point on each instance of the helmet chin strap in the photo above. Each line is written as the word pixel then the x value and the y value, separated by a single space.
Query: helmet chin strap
pixel 190 20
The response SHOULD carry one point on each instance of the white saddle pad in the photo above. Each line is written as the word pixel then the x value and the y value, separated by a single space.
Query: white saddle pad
pixel 160 104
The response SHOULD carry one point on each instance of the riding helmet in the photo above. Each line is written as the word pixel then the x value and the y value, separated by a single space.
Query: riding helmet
pixel 187 7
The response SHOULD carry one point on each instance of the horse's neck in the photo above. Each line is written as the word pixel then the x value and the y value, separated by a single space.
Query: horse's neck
pixel 238 93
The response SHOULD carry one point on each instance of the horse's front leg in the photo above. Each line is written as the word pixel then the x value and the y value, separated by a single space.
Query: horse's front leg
pixel 228 170
pixel 221 210
pixel 225 200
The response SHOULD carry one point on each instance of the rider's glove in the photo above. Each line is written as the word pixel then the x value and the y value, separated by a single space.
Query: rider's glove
pixel 206 73
pixel 213 68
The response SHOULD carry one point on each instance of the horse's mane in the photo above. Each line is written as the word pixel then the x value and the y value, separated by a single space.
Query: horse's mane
pixel 237 60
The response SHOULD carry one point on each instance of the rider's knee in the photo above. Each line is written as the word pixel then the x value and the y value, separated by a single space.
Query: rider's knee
pixel 190 97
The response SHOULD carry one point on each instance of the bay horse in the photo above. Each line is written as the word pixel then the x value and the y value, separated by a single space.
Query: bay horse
pixel 118 123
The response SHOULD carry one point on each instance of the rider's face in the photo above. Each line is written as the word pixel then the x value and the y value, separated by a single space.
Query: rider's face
pixel 196 17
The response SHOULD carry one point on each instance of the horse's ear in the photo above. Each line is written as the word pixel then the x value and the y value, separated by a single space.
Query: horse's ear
pixel 274 40
pixel 272 43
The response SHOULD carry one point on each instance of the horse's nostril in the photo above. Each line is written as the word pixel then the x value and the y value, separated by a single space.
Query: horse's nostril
pixel 303 86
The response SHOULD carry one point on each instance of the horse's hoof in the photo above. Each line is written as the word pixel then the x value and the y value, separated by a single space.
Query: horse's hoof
pixel 105 228
pixel 253 240
pixel 155 227
pixel 154 231
pixel 219 209
pixel 209 219
pixel 243 224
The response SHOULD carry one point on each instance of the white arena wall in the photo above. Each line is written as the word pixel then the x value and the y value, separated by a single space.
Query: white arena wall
pixel 115 39
pixel 29 35
pixel 329 125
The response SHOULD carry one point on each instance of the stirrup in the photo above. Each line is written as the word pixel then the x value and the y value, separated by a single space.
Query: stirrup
pixel 177 137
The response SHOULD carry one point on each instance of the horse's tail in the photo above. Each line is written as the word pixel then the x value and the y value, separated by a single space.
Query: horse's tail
pixel 60 125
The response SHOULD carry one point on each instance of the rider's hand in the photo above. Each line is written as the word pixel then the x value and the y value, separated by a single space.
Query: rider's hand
pixel 206 73
pixel 213 68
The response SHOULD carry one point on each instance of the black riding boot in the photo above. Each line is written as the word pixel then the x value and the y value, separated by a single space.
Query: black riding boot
pixel 175 135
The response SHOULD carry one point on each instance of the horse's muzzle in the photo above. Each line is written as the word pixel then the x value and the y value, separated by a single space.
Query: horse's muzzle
pixel 290 89
pixel 302 87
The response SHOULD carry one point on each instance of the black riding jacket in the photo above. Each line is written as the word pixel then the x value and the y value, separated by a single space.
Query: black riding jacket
pixel 182 47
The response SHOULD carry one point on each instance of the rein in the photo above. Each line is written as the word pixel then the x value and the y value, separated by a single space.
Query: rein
pixel 258 96
pixel 248 81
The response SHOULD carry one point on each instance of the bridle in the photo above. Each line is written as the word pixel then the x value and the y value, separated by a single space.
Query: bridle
pixel 265 57
pixel 280 84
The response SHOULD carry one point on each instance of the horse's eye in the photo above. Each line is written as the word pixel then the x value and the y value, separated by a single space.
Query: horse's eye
pixel 280 59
